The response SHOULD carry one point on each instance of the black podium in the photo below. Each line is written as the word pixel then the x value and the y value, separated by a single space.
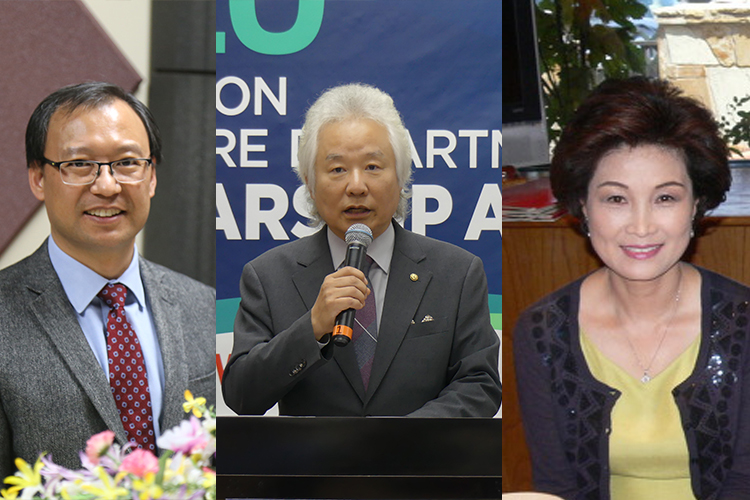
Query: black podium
pixel 358 458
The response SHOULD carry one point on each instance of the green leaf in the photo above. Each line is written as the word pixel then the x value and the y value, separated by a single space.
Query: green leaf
pixel 578 37
pixel 163 466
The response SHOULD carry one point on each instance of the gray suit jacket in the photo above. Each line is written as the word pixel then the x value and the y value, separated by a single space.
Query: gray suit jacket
pixel 441 368
pixel 53 393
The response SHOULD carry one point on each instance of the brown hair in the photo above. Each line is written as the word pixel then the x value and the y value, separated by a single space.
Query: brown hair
pixel 635 112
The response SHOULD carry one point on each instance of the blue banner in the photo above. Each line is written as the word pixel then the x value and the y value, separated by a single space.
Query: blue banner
pixel 440 60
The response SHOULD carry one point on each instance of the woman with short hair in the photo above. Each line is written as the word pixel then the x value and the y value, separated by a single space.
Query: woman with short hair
pixel 634 381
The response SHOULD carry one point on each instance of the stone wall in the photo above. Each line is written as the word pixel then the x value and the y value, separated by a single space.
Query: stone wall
pixel 705 50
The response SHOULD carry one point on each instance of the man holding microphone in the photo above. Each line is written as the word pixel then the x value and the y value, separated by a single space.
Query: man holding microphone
pixel 422 343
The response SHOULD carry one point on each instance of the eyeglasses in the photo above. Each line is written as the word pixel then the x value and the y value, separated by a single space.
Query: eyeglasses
pixel 82 172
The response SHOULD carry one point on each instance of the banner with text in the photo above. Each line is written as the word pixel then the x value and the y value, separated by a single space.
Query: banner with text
pixel 440 60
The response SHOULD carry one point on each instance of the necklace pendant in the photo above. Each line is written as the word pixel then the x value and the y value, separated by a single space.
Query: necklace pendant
pixel 646 378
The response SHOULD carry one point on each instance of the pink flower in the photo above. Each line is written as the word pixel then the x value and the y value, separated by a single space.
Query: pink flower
pixel 98 444
pixel 139 463
pixel 188 438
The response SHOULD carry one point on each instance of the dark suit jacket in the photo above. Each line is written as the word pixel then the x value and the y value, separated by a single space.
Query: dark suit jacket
pixel 53 393
pixel 442 368
pixel 567 413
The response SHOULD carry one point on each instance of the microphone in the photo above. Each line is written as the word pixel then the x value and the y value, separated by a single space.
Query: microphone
pixel 358 238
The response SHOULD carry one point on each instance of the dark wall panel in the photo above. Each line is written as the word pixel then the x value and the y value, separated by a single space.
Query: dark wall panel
pixel 181 230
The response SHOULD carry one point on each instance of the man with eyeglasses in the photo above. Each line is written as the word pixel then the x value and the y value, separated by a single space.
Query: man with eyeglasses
pixel 94 337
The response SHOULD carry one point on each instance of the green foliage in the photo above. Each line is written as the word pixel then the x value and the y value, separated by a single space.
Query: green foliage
pixel 740 130
pixel 577 39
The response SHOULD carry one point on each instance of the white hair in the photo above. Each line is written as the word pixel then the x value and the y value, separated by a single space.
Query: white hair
pixel 360 101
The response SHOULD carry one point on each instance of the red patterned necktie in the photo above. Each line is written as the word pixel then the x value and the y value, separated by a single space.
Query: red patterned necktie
pixel 365 330
pixel 127 370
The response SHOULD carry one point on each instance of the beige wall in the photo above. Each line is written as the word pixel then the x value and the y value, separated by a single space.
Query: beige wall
pixel 704 48
pixel 128 23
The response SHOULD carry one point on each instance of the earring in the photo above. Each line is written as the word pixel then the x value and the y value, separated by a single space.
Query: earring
pixel 585 227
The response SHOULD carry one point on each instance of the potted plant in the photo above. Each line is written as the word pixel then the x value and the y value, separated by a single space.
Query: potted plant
pixel 580 43
pixel 736 125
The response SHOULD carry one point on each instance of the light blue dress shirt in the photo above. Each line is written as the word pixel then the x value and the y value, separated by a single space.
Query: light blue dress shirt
pixel 82 285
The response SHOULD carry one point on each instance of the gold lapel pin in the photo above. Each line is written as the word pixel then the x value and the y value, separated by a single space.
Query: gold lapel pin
pixel 413 277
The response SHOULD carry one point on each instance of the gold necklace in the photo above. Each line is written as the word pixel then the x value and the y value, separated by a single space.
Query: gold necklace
pixel 646 375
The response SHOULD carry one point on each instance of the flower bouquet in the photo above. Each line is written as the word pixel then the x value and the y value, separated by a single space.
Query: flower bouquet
pixel 113 472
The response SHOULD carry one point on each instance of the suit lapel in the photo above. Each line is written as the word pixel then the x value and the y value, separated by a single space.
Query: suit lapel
pixel 171 342
pixel 403 296
pixel 315 265
pixel 57 318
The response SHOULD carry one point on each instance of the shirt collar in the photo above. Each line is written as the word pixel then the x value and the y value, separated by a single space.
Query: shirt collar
pixel 380 250
pixel 82 284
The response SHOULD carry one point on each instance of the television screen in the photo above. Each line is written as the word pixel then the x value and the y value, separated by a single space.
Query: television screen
pixel 521 100
pixel 525 141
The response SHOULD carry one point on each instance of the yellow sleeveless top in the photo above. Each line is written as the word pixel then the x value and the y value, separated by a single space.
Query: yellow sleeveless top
pixel 648 453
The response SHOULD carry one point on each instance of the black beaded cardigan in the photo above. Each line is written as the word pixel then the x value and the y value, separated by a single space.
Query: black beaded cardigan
pixel 566 411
